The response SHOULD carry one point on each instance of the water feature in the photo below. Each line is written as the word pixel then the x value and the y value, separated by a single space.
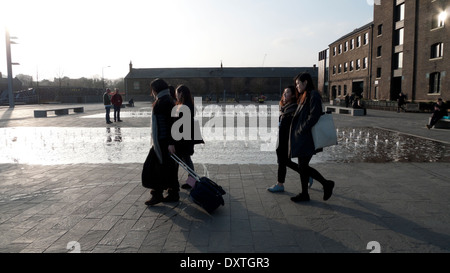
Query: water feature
pixel 59 145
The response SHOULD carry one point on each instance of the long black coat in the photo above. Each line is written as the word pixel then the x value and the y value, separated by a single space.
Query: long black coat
pixel 301 143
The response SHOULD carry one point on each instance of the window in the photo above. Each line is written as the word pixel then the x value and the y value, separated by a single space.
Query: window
pixel 340 68
pixel 339 90
pixel 345 67
pixel 380 29
pixel 334 70
pixel 358 64
pixel 399 36
pixel 136 85
pixel 352 44
pixel 351 65
pixel 398 60
pixel 340 49
pixel 437 50
pixel 435 83
pixel 358 41
pixel 345 90
pixel 346 47
pixel 334 51
pixel 365 63
pixel 379 72
pixel 379 51
pixel 366 38
pixel 400 12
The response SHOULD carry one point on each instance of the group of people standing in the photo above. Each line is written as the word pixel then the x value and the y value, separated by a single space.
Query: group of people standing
pixel 300 108
pixel 114 100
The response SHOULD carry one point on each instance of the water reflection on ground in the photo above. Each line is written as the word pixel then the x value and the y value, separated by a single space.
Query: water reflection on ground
pixel 56 145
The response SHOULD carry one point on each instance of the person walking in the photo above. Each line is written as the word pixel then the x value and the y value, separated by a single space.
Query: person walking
pixel 288 105
pixel 400 102
pixel 107 103
pixel 301 144
pixel 185 147
pixel 164 175
pixel 116 100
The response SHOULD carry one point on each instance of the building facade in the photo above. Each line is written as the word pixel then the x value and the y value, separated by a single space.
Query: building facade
pixel 323 71
pixel 410 55
pixel 405 49
pixel 350 64
pixel 218 84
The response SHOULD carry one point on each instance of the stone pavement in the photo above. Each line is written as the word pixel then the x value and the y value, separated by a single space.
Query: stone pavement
pixel 402 206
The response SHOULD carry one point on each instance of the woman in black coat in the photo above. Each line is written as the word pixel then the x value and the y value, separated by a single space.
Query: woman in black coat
pixel 185 147
pixel 301 144
pixel 160 170
pixel 288 105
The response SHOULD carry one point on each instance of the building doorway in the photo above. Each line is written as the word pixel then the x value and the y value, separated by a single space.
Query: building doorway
pixel 396 87
pixel 358 88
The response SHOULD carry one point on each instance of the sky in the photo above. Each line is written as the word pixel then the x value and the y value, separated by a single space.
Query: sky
pixel 95 38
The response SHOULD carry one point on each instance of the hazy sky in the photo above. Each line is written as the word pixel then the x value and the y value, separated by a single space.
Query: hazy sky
pixel 80 38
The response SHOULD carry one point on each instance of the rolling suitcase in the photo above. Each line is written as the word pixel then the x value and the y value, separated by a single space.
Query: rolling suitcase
pixel 205 193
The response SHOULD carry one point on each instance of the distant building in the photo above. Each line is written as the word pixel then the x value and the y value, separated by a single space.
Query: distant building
pixel 218 83
pixel 350 58
pixel 323 72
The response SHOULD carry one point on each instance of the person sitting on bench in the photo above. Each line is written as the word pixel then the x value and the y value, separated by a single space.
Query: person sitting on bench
pixel 440 111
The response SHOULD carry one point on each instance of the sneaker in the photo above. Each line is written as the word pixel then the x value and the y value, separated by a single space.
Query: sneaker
pixel 311 181
pixel 276 188
pixel 301 197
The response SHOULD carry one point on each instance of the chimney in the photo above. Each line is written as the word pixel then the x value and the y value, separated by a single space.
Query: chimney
pixel 131 66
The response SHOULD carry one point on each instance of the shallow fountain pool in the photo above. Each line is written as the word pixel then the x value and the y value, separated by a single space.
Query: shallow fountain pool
pixel 56 145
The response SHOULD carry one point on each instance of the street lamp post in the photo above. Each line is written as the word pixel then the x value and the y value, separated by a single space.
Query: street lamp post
pixel 9 65
pixel 103 78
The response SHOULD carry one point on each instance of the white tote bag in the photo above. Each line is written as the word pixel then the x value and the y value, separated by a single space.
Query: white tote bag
pixel 324 132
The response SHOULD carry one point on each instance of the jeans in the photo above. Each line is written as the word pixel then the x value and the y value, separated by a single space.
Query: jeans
pixel 116 113
pixel 108 109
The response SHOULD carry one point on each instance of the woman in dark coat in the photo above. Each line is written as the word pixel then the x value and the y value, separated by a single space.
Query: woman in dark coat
pixel 160 170
pixel 185 147
pixel 301 143
pixel 288 105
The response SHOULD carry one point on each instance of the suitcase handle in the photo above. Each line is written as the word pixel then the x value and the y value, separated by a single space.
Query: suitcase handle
pixel 185 166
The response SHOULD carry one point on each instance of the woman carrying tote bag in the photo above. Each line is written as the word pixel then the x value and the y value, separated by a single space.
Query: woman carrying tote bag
pixel 301 143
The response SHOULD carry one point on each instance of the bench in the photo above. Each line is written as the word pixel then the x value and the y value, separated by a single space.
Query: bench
pixel 443 123
pixel 58 112
pixel 345 110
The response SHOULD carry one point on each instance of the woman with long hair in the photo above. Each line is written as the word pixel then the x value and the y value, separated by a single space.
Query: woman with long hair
pixel 185 147
pixel 301 144
pixel 288 105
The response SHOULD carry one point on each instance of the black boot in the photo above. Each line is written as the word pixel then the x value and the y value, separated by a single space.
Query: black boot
pixel 157 198
pixel 328 190
pixel 173 196
pixel 301 197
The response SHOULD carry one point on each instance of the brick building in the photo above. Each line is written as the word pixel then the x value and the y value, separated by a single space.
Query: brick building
pixel 408 51
pixel 219 83
pixel 349 64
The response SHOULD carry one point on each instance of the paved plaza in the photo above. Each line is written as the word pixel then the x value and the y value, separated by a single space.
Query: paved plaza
pixel 403 206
